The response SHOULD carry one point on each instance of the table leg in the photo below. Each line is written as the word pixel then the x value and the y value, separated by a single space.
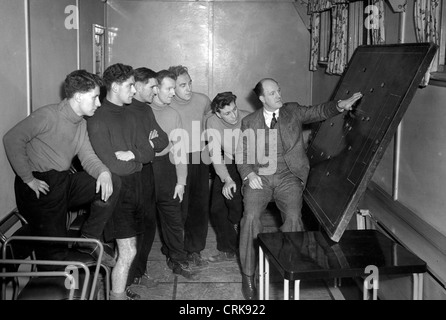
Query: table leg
pixel 261 274
pixel 286 289
pixel 266 278
pixel 296 290
pixel 418 286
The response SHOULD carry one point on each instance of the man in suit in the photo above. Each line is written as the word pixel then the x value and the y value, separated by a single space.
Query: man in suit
pixel 273 165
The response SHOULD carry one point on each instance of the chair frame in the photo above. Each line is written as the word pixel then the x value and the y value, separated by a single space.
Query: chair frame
pixel 7 224
pixel 66 274
pixel 54 262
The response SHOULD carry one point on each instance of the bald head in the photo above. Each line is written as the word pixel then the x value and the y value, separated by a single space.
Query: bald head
pixel 268 91
pixel 258 89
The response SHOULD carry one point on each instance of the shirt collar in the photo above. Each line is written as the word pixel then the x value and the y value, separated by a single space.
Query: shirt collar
pixel 269 116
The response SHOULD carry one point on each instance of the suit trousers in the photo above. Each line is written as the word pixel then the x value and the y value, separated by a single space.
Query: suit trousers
pixel 283 188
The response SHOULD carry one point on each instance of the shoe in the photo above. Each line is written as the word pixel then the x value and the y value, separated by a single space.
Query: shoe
pixel 131 295
pixel 93 250
pixel 196 261
pixel 182 268
pixel 248 287
pixel 145 281
pixel 222 256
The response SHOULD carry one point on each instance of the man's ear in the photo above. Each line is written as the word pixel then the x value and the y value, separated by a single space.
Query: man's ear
pixel 115 87
pixel 77 97
pixel 218 114
pixel 262 99
pixel 138 86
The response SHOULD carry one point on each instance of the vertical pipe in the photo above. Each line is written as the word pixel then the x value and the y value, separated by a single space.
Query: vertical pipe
pixel 107 45
pixel 397 137
pixel 78 47
pixel 211 49
pixel 27 59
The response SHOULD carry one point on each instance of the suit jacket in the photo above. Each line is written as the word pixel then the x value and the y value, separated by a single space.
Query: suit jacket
pixel 292 117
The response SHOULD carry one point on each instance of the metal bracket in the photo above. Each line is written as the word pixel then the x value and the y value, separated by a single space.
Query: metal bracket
pixel 398 5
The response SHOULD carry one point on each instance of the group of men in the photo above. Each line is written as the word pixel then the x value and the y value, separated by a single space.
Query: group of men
pixel 144 151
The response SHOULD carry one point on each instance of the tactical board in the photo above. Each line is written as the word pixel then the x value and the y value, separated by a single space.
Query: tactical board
pixel 345 150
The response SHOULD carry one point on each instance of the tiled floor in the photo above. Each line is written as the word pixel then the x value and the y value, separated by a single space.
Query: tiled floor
pixel 219 281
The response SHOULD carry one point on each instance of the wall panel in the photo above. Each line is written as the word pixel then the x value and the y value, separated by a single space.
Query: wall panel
pixel 158 34
pixel 423 157
pixel 227 45
pixel 12 87
pixel 53 49
pixel 257 40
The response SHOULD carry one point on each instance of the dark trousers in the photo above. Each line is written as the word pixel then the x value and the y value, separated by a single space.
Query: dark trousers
pixel 144 241
pixel 169 209
pixel 225 213
pixel 195 205
pixel 47 215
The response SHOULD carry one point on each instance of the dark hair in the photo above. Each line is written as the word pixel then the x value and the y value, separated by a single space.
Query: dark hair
pixel 81 81
pixel 221 100
pixel 165 74
pixel 118 73
pixel 258 89
pixel 178 70
pixel 144 74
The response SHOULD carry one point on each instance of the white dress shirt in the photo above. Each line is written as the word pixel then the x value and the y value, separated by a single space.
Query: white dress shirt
pixel 269 116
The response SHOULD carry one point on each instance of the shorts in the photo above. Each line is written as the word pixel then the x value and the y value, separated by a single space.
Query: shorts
pixel 127 220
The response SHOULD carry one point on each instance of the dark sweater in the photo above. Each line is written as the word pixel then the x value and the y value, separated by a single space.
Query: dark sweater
pixel 113 128
pixel 147 123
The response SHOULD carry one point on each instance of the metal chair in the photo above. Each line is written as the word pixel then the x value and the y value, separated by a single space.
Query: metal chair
pixel 43 284
pixel 14 224
pixel 77 219
pixel 69 282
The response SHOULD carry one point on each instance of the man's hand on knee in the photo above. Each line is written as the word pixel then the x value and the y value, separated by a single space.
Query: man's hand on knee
pixel 255 182
pixel 105 185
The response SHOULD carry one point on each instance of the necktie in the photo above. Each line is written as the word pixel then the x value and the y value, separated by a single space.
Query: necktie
pixel 273 121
